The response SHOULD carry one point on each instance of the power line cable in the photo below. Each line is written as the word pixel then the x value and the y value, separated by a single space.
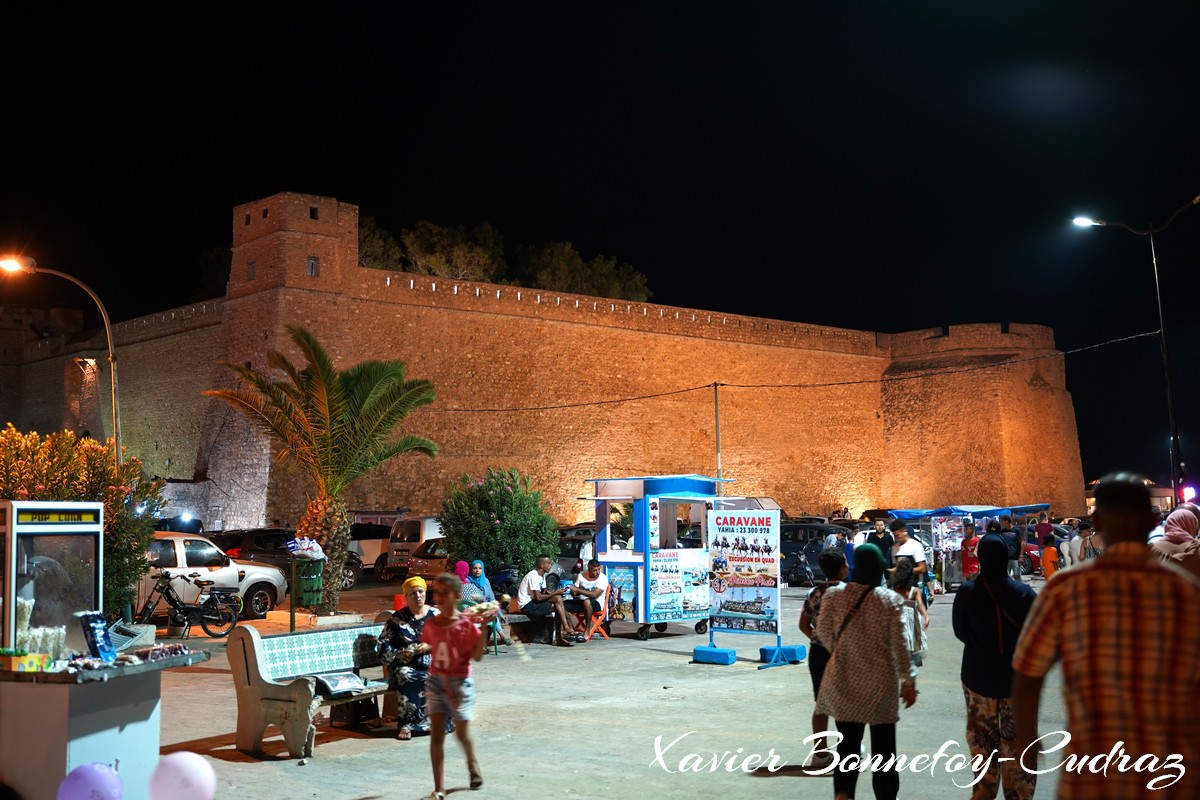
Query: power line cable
pixel 824 385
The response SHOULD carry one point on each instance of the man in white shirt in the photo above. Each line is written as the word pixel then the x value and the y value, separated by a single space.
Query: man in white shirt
pixel 908 547
pixel 587 593
pixel 536 602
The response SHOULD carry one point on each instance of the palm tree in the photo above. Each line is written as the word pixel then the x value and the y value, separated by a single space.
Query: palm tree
pixel 333 426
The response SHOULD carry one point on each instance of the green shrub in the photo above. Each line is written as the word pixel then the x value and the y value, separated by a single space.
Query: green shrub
pixel 499 519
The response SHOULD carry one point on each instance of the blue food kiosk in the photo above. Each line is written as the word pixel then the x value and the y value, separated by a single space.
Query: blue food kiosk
pixel 658 575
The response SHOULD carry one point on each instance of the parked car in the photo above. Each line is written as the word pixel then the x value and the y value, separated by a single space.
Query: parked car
pixel 369 543
pixel 573 553
pixel 428 561
pixel 260 586
pixel 406 537
pixel 807 538
pixel 269 546
pixel 620 535
pixel 1031 559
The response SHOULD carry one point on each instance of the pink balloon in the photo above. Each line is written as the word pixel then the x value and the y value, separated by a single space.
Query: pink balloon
pixel 93 781
pixel 183 776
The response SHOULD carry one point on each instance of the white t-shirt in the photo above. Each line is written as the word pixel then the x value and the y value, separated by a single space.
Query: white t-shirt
pixel 912 548
pixel 532 580
pixel 583 582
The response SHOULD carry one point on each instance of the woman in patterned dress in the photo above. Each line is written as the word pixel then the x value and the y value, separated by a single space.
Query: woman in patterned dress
pixel 868 673
pixel 407 659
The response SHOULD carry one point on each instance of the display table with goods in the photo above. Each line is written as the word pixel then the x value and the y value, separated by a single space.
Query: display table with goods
pixel 85 711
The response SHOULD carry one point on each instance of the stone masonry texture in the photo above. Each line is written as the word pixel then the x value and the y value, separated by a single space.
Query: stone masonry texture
pixel 563 388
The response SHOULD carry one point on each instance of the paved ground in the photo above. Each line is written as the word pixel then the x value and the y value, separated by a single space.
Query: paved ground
pixel 584 722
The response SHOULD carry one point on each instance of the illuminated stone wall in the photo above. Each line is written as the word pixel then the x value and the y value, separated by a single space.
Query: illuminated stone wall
pixel 566 388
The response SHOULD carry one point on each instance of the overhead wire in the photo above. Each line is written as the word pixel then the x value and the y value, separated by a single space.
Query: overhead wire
pixel 821 385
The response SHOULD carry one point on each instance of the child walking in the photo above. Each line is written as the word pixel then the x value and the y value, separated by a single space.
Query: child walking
pixel 914 617
pixel 454 641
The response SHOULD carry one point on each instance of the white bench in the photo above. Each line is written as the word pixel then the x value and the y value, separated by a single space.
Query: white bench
pixel 273 676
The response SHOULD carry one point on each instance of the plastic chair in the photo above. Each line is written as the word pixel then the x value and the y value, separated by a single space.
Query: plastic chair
pixel 593 622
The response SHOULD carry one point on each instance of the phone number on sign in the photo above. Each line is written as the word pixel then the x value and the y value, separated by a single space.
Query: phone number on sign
pixel 743 531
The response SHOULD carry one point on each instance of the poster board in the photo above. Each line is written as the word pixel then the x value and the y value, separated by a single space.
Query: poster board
pixel 744 564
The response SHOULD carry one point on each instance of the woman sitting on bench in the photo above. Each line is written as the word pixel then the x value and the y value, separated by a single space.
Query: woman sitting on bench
pixel 407 660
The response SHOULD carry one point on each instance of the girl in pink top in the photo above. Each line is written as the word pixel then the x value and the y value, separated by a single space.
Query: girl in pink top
pixel 454 642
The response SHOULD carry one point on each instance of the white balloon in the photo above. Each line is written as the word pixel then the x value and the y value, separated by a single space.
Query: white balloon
pixel 183 776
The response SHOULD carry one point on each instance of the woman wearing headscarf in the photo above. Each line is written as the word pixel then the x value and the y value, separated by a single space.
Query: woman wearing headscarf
pixel 988 615
pixel 868 673
pixel 407 659
pixel 471 592
pixel 1179 544
pixel 479 580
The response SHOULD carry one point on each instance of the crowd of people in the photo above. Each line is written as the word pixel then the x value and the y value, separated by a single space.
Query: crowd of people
pixel 1119 611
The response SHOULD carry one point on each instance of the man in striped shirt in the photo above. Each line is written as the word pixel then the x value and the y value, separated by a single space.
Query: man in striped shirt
pixel 1126 628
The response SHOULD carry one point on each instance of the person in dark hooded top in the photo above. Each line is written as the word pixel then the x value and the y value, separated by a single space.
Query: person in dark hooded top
pixel 988 615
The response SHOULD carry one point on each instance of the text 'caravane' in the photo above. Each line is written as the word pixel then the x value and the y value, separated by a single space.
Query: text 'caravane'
pixel 743 521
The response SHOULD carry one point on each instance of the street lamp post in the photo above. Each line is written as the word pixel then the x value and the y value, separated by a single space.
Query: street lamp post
pixel 26 264
pixel 1149 231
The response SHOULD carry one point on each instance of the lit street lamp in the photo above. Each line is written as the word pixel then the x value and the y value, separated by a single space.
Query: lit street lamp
pixel 26 264
pixel 1177 467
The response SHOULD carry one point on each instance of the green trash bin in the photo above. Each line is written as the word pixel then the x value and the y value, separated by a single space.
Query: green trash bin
pixel 310 580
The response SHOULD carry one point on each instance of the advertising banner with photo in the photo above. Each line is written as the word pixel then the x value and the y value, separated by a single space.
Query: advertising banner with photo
pixel 678 585
pixel 744 562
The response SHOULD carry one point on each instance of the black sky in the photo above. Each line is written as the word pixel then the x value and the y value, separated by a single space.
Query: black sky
pixel 885 166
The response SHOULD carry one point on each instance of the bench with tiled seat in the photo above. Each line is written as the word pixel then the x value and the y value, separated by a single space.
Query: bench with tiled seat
pixel 275 683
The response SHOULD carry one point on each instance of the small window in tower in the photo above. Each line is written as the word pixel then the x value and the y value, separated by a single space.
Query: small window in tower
pixel 251 268
pixel 312 212
pixel 266 213
pixel 314 266
pixel 247 219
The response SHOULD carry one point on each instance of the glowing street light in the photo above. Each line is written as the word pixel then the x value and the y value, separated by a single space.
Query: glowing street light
pixel 26 264
pixel 1177 466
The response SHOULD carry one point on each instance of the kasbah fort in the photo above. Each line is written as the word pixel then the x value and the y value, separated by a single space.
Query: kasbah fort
pixel 563 388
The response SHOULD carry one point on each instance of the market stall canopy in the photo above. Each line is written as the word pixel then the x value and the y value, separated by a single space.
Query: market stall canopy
pixel 974 512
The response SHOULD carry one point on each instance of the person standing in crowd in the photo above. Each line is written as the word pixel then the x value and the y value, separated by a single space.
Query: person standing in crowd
pixel 883 540
pixel 909 548
pixel 454 642
pixel 1016 545
pixel 1123 626
pixel 833 565
pixel 970 561
pixel 406 659
pixel 987 617
pixel 1178 543
pixel 868 672
pixel 1049 555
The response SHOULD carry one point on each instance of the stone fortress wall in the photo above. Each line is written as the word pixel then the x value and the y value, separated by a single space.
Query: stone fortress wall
pixel 566 388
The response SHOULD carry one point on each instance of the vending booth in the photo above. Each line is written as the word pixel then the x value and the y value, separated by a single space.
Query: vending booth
pixel 658 575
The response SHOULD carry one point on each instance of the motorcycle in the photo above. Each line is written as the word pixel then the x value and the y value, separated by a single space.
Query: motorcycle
pixel 798 570
pixel 505 580
pixel 216 609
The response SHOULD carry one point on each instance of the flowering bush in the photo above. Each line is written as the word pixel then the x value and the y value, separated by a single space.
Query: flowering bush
pixel 499 519
pixel 63 467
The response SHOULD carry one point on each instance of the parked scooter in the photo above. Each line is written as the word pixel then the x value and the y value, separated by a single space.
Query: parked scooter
pixel 505 580
pixel 798 570
pixel 216 609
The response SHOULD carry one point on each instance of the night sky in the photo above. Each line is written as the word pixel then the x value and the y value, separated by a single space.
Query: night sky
pixel 884 166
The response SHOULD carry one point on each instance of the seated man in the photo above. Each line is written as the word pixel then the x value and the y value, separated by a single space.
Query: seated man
pixel 587 593
pixel 536 602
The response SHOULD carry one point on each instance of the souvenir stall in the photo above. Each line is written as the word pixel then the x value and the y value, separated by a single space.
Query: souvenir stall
pixel 60 714
pixel 658 576
pixel 946 533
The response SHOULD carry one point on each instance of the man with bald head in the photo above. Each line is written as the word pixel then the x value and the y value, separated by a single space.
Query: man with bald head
pixel 1123 625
